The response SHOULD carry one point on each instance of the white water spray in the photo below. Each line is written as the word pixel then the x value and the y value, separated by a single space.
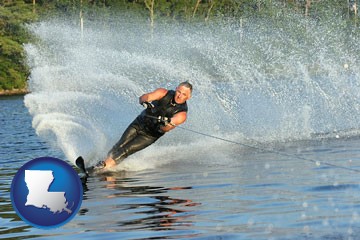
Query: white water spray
pixel 263 81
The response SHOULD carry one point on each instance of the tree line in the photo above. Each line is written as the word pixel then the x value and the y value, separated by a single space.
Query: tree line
pixel 14 14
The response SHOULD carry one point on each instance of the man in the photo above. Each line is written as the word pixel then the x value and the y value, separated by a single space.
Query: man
pixel 165 109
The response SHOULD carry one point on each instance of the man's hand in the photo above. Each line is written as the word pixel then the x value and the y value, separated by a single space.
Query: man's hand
pixel 148 105
pixel 164 120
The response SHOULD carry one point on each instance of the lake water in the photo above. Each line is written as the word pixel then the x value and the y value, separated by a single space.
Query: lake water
pixel 243 194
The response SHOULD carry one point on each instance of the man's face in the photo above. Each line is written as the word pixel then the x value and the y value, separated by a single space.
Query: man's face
pixel 182 94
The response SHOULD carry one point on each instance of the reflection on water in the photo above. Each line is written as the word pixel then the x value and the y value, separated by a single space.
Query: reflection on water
pixel 7 214
pixel 18 144
pixel 156 211
pixel 259 196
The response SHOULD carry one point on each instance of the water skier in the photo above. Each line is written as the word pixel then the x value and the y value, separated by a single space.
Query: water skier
pixel 165 109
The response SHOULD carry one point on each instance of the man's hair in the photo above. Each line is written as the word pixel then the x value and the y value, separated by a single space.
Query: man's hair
pixel 186 84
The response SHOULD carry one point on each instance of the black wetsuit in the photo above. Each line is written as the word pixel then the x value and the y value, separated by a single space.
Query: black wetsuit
pixel 145 129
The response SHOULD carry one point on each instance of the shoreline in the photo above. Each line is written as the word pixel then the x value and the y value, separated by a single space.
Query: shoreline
pixel 14 92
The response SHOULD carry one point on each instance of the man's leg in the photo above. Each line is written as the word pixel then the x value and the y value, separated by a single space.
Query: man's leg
pixel 133 139
pixel 130 134
pixel 117 150
pixel 138 143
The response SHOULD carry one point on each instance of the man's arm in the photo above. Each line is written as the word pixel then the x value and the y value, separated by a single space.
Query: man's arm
pixel 176 120
pixel 152 96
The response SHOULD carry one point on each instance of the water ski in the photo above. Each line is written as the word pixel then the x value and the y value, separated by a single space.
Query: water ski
pixel 80 163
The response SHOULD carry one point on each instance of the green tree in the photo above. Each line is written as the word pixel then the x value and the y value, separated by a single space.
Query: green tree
pixel 13 16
